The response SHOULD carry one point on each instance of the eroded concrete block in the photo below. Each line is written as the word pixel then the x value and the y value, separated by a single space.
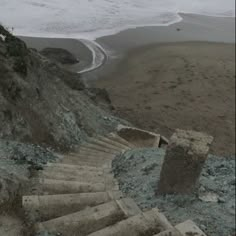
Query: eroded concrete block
pixel 139 137
pixel 185 157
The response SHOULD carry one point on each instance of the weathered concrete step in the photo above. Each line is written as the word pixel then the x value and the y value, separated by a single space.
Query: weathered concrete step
pixel 117 138
pixel 67 174
pixel 147 223
pixel 92 219
pixel 97 149
pixel 89 158
pixel 88 176
pixel 47 207
pixel 91 151
pixel 52 186
pixel 60 166
pixel 92 157
pixel 105 142
pixel 103 147
pixel 76 161
pixel 113 142
pixel 169 232
pixel 186 228
pixel 139 137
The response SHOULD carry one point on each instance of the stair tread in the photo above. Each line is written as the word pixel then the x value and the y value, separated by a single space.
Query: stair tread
pixel 146 223
pixel 80 196
pixel 102 146
pixel 46 207
pixel 105 142
pixel 119 139
pixel 113 141
pixel 90 151
pixel 71 166
pixel 105 164
pixel 189 226
pixel 88 158
pixel 94 218
pixel 77 176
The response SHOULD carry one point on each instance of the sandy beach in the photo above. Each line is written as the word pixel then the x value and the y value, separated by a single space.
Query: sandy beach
pixel 178 85
pixel 185 80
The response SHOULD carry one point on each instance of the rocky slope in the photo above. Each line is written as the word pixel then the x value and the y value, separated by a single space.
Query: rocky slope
pixel 41 103
pixel 212 207
pixel 44 110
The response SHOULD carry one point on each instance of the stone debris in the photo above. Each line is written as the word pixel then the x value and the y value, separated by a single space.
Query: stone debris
pixel 209 197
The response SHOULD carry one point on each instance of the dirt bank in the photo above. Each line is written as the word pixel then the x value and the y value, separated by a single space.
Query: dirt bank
pixel 178 85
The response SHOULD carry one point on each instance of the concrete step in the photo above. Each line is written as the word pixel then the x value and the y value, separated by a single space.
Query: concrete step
pixel 98 148
pixel 139 137
pixel 115 137
pixel 76 161
pixel 186 228
pixel 105 142
pixel 91 151
pixel 74 169
pixel 77 175
pixel 52 186
pixel 89 157
pixel 70 167
pixel 85 155
pixel 170 232
pixel 46 207
pixel 147 223
pixel 102 146
pixel 113 142
pixel 91 154
pixel 94 148
pixel 189 227
pixel 92 219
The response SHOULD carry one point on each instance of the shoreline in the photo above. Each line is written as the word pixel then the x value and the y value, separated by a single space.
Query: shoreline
pixel 103 51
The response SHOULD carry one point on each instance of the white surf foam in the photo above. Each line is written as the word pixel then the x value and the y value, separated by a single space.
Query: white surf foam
pixel 98 53
pixel 94 18
pixel 90 19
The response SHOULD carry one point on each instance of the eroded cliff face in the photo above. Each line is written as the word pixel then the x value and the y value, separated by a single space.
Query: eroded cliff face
pixel 42 103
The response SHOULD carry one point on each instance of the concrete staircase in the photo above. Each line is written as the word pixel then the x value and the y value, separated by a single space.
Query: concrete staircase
pixel 79 196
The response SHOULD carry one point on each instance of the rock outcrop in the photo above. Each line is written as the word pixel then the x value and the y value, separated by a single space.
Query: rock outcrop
pixel 60 55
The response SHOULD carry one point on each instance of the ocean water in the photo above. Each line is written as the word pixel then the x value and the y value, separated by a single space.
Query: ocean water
pixel 89 19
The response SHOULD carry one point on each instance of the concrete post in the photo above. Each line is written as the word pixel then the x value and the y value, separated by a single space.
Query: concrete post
pixel 184 160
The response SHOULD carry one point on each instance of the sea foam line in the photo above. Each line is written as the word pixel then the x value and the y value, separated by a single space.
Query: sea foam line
pixel 99 55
